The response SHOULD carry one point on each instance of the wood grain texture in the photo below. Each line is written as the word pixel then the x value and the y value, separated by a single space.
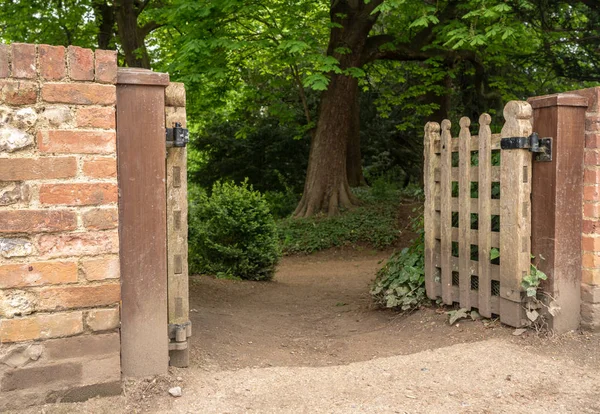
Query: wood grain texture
pixel 446 212
pixel 484 232
pixel 464 214
pixel 432 132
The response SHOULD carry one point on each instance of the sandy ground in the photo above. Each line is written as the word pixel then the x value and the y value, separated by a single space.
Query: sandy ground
pixel 311 342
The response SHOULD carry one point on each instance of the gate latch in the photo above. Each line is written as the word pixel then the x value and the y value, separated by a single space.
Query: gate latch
pixel 177 136
pixel 541 147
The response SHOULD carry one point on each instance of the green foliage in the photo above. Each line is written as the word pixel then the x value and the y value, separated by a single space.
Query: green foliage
pixel 374 223
pixel 401 282
pixel 532 281
pixel 232 233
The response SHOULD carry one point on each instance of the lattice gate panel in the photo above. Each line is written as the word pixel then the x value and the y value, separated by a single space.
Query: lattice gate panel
pixel 477 198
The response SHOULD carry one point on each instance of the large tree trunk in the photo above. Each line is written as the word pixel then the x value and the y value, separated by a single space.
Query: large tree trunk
pixel 353 155
pixel 326 188
pixel 131 36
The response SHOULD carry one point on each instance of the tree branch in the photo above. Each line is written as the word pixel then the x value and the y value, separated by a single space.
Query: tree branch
pixel 148 28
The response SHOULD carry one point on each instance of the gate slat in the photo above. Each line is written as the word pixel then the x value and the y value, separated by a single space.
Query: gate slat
pixel 485 221
pixel 464 213
pixel 474 174
pixel 495 205
pixel 432 132
pixel 515 214
pixel 446 212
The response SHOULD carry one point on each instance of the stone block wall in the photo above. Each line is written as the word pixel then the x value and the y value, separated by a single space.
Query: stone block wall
pixel 590 286
pixel 59 244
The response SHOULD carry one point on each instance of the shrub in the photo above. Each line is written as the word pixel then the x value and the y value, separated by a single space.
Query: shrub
pixel 232 233
pixel 401 282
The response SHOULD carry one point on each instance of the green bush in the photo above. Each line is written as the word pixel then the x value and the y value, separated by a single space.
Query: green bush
pixel 232 233
pixel 401 282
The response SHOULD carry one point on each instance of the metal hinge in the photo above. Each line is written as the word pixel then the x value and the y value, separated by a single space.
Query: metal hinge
pixel 540 147
pixel 177 136
pixel 178 334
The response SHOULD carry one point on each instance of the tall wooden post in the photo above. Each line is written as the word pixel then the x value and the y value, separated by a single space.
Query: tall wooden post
pixel 557 202
pixel 142 224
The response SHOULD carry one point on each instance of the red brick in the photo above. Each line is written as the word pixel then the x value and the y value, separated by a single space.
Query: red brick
pixel 18 92
pixel 591 210
pixel 81 63
pixel 590 276
pixel 23 61
pixel 32 221
pixel 591 176
pixel 36 274
pixel 71 297
pixel 103 319
pixel 592 158
pixel 101 269
pixel 592 123
pixel 591 193
pixel 77 142
pixel 592 140
pixel 4 67
pixel 78 194
pixel 106 66
pixel 591 226
pixel 101 219
pixel 100 167
pixel 94 117
pixel 19 169
pixel 590 244
pixel 78 244
pixel 590 260
pixel 41 327
pixel 79 93
pixel 52 62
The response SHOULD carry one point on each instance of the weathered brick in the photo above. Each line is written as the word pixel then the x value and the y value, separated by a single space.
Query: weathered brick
pixel 24 118
pixel 590 316
pixel 78 194
pixel 103 319
pixel 106 66
pixel 79 93
pixel 13 193
pixel 70 297
pixel 53 325
pixel 592 123
pixel 16 248
pixel 78 244
pixel 19 169
pixel 101 219
pixel 591 210
pixel 37 274
pixel 591 157
pixel 173 115
pixel 35 221
pixel 55 376
pixel 592 140
pixel 12 139
pixel 591 193
pixel 101 269
pixel 4 67
pixel 591 226
pixel 52 62
pixel 590 293
pixel 590 276
pixel 18 92
pixel 77 142
pixel 591 176
pixel 82 346
pixel 23 61
pixel 81 63
pixel 96 117
pixel 100 167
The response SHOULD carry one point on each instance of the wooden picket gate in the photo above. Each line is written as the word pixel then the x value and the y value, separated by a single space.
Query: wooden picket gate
pixel 459 224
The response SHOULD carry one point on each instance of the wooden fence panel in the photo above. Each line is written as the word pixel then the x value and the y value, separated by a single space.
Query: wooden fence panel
pixel 432 135
pixel 446 212
pixel 464 212
pixel 484 222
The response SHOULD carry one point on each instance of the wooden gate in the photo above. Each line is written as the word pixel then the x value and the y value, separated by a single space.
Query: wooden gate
pixel 477 198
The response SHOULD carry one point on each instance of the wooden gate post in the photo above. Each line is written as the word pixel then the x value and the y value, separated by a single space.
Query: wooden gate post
pixel 142 221
pixel 557 202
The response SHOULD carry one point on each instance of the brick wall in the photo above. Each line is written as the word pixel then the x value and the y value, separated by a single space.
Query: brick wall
pixel 59 264
pixel 590 286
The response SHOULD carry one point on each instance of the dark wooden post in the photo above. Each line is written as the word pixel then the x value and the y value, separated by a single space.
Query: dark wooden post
pixel 141 152
pixel 557 189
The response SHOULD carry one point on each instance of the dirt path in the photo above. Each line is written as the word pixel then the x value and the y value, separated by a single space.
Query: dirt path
pixel 310 341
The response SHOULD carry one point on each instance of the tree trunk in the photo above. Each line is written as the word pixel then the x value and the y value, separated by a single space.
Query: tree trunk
pixel 105 20
pixel 326 188
pixel 132 40
pixel 354 156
